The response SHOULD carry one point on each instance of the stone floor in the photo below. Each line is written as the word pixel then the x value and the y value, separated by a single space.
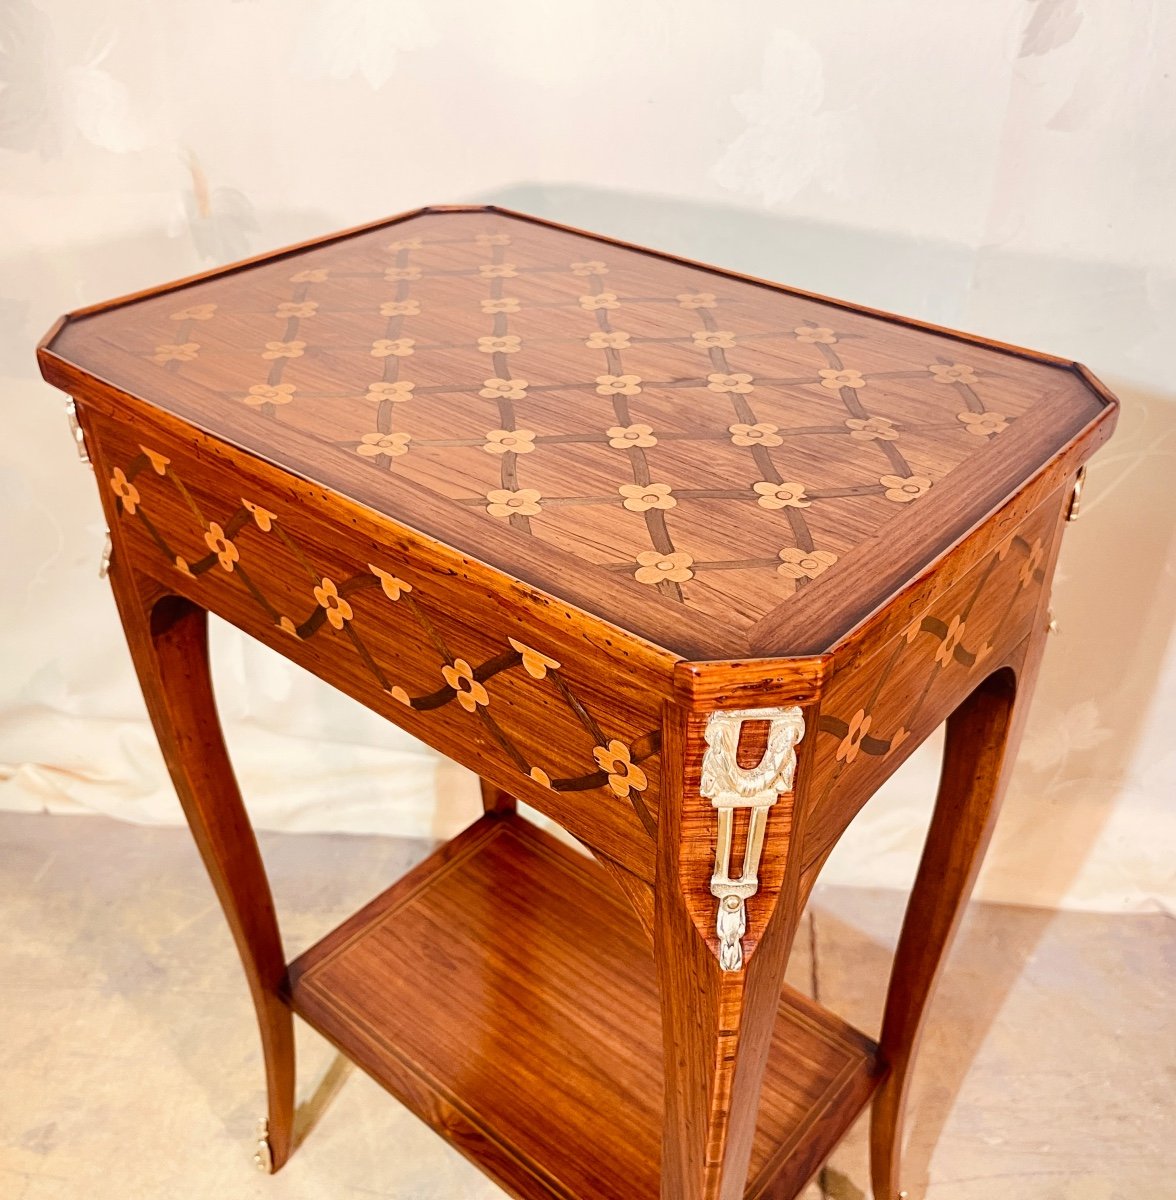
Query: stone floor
pixel 129 1066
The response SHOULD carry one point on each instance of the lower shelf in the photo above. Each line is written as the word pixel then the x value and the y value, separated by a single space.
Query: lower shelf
pixel 505 993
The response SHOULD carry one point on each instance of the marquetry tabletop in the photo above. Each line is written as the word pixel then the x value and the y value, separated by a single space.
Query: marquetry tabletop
pixel 721 462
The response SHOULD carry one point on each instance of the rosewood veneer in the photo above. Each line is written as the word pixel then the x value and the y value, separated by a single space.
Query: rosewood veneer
pixel 688 561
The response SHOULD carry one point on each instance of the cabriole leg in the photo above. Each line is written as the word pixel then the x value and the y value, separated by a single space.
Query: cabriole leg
pixel 720 978
pixel 168 639
pixel 495 800
pixel 982 737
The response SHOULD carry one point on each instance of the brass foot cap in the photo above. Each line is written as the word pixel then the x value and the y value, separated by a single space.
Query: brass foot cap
pixel 263 1157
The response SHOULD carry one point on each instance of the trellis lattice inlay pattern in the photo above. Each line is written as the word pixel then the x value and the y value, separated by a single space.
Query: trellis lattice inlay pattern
pixel 721 445
pixel 328 606
pixel 950 647
pixel 871 712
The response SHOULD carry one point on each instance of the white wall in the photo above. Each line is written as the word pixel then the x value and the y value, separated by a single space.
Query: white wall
pixel 1006 167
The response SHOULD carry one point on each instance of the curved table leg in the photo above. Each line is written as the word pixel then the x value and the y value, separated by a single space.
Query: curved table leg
pixel 717 1024
pixel 495 800
pixel 982 737
pixel 168 639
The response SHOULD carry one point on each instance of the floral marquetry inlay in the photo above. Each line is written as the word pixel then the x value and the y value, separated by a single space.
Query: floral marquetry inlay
pixel 871 711
pixel 670 426
pixel 244 545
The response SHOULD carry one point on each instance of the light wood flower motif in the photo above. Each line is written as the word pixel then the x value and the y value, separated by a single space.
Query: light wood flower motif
pixel 804 564
pixel 270 393
pixel 600 300
pixel 815 335
pixel 859 726
pixel 392 347
pixel 624 775
pixel 172 352
pixel 719 339
pixel 504 389
pixel 642 497
pixel 654 567
pixel 835 380
pixel 316 275
pixel 535 664
pixel 696 299
pixel 509 343
pixel 288 626
pixel 871 429
pixel 414 243
pixel 1030 565
pixel 262 516
pixel 983 424
pixel 398 693
pixel 400 308
pixel 761 434
pixel 953 373
pixel 588 268
pixel 504 503
pixel 283 350
pixel 181 564
pixel 226 553
pixel 540 776
pixel 498 270
pixel 615 340
pixel 621 437
pixel 395 274
pixel 618 385
pixel 739 384
pixel 394 587
pixel 951 639
pixel 780 495
pixel 509 441
pixel 398 391
pixel 159 462
pixel 291 308
pixel 470 693
pixel 337 609
pixel 391 444
pixel 125 490
pixel 503 304
pixel 197 312
pixel 903 489
pixel 493 239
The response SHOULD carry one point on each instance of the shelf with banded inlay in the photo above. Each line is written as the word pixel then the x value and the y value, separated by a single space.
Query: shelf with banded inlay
pixel 504 991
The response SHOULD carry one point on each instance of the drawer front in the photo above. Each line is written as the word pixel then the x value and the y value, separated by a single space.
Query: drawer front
pixel 874 714
pixel 539 713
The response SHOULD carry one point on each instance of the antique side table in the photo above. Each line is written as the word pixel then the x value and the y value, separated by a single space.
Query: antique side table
pixel 687 561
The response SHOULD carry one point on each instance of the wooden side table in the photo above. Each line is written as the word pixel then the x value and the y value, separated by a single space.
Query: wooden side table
pixel 687 561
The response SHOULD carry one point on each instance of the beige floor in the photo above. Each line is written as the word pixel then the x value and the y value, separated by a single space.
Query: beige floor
pixel 129 1066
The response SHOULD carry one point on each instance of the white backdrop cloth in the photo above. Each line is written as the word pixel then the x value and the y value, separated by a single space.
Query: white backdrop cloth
pixel 1007 168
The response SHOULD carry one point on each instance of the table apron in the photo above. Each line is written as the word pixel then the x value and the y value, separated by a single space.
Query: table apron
pixel 874 714
pixel 463 671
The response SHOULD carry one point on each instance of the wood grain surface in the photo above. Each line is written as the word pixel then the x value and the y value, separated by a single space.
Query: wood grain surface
pixel 541 709
pixel 876 712
pixel 506 994
pixel 599 420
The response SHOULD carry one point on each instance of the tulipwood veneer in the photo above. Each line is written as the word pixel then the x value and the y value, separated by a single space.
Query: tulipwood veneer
pixel 688 561
pixel 561 1085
